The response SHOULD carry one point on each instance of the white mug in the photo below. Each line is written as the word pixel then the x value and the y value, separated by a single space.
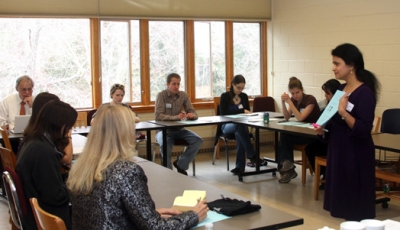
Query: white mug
pixel 352 225
pixel 372 224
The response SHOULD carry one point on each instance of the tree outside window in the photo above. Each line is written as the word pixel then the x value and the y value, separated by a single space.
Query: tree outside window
pixel 55 53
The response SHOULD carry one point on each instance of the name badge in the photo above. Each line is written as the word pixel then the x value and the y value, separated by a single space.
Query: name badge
pixel 240 106
pixel 168 105
pixel 350 106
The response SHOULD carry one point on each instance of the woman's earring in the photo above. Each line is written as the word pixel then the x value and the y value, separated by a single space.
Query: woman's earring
pixel 351 71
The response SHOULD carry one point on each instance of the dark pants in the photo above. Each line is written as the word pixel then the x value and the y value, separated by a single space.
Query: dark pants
pixel 316 148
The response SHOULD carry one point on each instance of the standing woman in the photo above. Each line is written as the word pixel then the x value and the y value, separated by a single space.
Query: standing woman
pixel 235 102
pixel 350 172
pixel 109 190
pixel 305 108
pixel 39 160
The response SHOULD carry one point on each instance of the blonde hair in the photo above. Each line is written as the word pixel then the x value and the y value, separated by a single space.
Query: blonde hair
pixel 111 138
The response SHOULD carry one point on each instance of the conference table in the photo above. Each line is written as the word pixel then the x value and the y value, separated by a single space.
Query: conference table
pixel 165 184
pixel 274 124
pixel 207 120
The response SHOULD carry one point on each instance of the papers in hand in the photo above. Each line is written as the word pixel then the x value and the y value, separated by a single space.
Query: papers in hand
pixel 331 108
pixel 188 200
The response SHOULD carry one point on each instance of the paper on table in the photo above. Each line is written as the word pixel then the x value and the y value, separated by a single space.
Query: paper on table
pixel 331 108
pixel 211 218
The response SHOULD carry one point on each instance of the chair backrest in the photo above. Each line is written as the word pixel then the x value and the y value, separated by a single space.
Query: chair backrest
pixel 6 140
pixel 45 220
pixel 16 197
pixel 375 124
pixel 216 105
pixel 8 158
pixel 81 120
pixel 390 121
pixel 261 104
pixel 90 116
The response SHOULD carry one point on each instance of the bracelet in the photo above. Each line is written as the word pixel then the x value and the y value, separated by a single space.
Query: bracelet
pixel 344 117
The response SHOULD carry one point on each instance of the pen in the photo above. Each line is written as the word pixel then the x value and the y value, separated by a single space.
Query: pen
pixel 316 126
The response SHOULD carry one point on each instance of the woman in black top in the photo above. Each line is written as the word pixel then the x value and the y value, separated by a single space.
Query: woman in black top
pixel 235 102
pixel 39 160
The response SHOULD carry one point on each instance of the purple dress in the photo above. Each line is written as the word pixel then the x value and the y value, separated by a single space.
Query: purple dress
pixel 350 172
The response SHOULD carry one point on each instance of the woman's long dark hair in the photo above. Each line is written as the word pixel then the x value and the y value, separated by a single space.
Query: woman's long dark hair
pixel 40 100
pixel 351 55
pixel 55 119
pixel 237 79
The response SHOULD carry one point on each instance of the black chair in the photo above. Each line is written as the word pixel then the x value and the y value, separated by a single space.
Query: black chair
pixel 90 116
pixel 390 124
pixel 226 138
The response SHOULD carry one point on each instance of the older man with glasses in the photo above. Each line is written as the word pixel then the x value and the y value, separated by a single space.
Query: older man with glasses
pixel 19 103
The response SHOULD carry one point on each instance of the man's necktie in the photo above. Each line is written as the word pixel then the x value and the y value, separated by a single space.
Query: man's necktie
pixel 22 110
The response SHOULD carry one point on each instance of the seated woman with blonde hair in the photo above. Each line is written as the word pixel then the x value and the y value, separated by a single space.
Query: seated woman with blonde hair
pixel 109 190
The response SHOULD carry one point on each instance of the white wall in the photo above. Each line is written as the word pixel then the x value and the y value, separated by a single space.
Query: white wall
pixel 303 33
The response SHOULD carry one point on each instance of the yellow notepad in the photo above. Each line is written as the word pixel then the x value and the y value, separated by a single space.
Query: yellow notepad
pixel 188 200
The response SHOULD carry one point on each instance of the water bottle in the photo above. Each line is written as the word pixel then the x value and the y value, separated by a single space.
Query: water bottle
pixel 266 118
pixel 209 226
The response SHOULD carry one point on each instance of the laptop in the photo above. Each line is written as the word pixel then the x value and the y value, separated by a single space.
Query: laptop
pixel 20 122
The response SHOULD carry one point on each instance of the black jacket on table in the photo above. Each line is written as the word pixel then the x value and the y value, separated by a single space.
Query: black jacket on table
pixel 226 100
pixel 38 167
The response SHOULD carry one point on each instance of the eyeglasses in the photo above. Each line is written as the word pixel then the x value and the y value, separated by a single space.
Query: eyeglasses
pixel 239 87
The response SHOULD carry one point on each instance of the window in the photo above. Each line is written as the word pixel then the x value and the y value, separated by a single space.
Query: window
pixel 247 59
pixel 166 54
pixel 119 63
pixel 209 44
pixel 55 53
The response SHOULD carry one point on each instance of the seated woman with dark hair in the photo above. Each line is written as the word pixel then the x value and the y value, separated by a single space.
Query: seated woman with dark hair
pixel 109 190
pixel 39 160
pixel 40 100
pixel 319 148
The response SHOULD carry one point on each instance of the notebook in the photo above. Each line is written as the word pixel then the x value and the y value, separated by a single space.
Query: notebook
pixel 188 200
pixel 21 121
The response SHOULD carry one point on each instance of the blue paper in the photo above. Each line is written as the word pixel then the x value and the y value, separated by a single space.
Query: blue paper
pixel 211 218
pixel 331 109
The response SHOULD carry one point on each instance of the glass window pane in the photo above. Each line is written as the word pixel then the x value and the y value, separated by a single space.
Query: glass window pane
pixel 54 52
pixel 209 59
pixel 246 49
pixel 166 54
pixel 114 57
pixel 135 62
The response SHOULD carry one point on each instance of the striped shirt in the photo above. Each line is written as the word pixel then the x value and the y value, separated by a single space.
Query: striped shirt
pixel 168 107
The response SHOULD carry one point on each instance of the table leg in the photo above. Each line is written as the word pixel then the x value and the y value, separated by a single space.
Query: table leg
pixel 165 147
pixel 148 145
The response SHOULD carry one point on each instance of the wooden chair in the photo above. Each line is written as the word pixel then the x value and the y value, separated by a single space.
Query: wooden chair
pixel 81 120
pixel 319 161
pixel 4 134
pixel 45 220
pixel 305 164
pixel 16 198
pixel 8 158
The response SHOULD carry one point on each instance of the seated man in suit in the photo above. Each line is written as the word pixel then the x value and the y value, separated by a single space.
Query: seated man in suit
pixel 168 107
